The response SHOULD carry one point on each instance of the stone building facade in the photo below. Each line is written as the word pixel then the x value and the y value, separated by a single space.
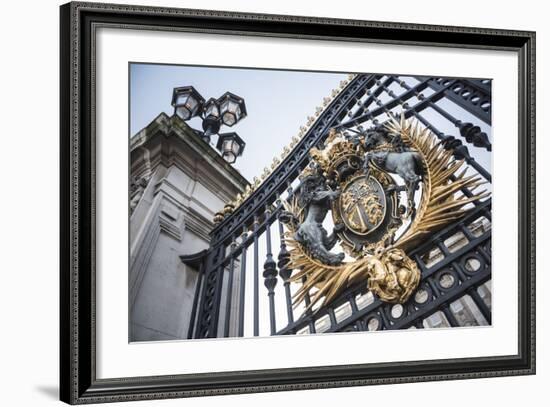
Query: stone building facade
pixel 177 183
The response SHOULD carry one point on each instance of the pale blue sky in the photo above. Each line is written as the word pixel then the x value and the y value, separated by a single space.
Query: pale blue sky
pixel 277 103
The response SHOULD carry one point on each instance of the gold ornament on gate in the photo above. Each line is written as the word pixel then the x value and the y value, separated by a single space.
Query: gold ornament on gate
pixel 386 189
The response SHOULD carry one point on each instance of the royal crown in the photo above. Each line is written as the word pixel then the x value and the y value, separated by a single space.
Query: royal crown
pixel 338 158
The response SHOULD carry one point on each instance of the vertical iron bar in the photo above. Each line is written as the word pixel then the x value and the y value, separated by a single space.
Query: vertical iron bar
pixel 229 290
pixel 471 161
pixel 307 300
pixel 256 280
pixel 353 304
pixel 270 274
pixel 384 317
pixel 243 282
pixel 332 317
pixel 483 252
pixel 480 304
pixel 207 319
pixel 458 268
pixel 449 315
pixel 289 310
pixel 444 249
pixel 467 232
pixel 284 272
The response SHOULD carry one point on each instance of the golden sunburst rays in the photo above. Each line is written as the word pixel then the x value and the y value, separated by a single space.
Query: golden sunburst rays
pixel 442 202
pixel 444 179
pixel 318 281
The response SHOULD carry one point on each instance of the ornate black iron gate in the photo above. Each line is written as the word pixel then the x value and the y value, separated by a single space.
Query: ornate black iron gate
pixel 455 262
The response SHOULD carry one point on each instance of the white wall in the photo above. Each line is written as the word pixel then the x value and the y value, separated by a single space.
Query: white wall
pixel 29 204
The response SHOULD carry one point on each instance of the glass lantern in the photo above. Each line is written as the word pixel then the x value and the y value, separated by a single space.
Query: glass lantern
pixel 231 146
pixel 232 108
pixel 211 109
pixel 187 102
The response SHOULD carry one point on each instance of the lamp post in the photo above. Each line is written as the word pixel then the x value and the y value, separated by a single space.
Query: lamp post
pixel 231 146
pixel 227 110
pixel 211 119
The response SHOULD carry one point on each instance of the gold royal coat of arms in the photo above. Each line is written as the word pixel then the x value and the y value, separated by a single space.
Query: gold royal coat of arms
pixel 386 189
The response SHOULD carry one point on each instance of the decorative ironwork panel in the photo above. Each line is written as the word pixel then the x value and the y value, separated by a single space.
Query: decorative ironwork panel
pixel 454 263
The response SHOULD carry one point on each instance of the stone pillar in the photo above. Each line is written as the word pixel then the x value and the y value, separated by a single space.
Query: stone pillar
pixel 177 184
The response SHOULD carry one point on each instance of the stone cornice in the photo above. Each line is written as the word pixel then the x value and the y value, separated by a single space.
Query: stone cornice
pixel 169 140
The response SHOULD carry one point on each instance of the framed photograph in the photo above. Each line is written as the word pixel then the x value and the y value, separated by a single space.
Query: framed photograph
pixel 256 203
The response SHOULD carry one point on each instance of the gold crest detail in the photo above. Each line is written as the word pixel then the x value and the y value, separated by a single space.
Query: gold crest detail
pixel 363 203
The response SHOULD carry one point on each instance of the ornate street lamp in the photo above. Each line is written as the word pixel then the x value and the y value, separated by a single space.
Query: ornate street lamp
pixel 232 108
pixel 227 110
pixel 231 146
pixel 187 102
pixel 211 119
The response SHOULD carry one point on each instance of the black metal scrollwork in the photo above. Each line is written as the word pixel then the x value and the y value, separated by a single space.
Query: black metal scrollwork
pixel 367 100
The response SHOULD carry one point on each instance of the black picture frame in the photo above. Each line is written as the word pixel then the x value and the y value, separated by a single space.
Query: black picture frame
pixel 78 382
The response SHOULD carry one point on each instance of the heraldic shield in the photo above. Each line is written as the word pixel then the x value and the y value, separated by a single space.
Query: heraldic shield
pixel 368 210
pixel 362 204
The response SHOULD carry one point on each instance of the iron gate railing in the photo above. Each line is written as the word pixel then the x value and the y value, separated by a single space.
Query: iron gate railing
pixel 455 263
